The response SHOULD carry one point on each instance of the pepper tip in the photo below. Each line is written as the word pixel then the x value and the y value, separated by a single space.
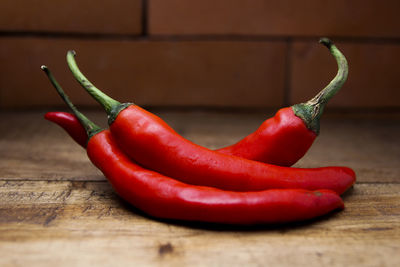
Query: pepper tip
pixel 45 69
pixel 326 42
pixel 72 52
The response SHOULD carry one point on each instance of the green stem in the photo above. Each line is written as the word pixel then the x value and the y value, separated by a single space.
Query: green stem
pixel 312 110
pixel 90 127
pixel 111 106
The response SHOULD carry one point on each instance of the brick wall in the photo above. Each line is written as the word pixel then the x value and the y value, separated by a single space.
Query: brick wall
pixel 218 53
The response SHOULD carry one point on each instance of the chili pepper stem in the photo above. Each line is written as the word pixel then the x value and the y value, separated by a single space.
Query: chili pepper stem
pixel 110 105
pixel 311 111
pixel 90 127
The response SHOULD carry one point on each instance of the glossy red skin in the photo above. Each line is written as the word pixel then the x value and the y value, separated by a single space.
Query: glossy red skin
pixel 164 197
pixel 152 143
pixel 281 140
pixel 70 124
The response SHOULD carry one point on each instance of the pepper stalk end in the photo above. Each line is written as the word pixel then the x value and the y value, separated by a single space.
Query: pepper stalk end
pixel 326 42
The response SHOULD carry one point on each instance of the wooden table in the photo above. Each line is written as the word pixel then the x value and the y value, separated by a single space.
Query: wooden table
pixel 57 209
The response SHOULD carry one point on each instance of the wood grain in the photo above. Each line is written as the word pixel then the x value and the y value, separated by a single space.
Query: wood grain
pixel 57 209
pixel 86 223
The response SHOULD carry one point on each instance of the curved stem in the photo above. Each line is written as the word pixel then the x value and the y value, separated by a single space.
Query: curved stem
pixel 107 102
pixel 333 87
pixel 312 110
pixel 90 127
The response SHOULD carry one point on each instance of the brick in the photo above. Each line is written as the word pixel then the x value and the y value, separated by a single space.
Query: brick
pixel 156 73
pixel 72 16
pixel 375 18
pixel 373 74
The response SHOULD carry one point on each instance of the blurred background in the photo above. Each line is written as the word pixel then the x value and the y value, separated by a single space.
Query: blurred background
pixel 200 53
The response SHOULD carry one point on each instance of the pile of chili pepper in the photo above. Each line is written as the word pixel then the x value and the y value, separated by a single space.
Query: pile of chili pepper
pixel 165 175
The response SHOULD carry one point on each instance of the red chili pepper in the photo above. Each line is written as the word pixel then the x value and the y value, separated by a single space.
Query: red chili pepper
pixel 281 140
pixel 164 197
pixel 285 138
pixel 69 123
pixel 153 144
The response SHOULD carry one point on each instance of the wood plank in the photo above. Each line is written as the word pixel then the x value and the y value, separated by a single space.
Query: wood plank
pixel 367 142
pixel 80 223
pixel 279 18
pixel 72 16
pixel 147 72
